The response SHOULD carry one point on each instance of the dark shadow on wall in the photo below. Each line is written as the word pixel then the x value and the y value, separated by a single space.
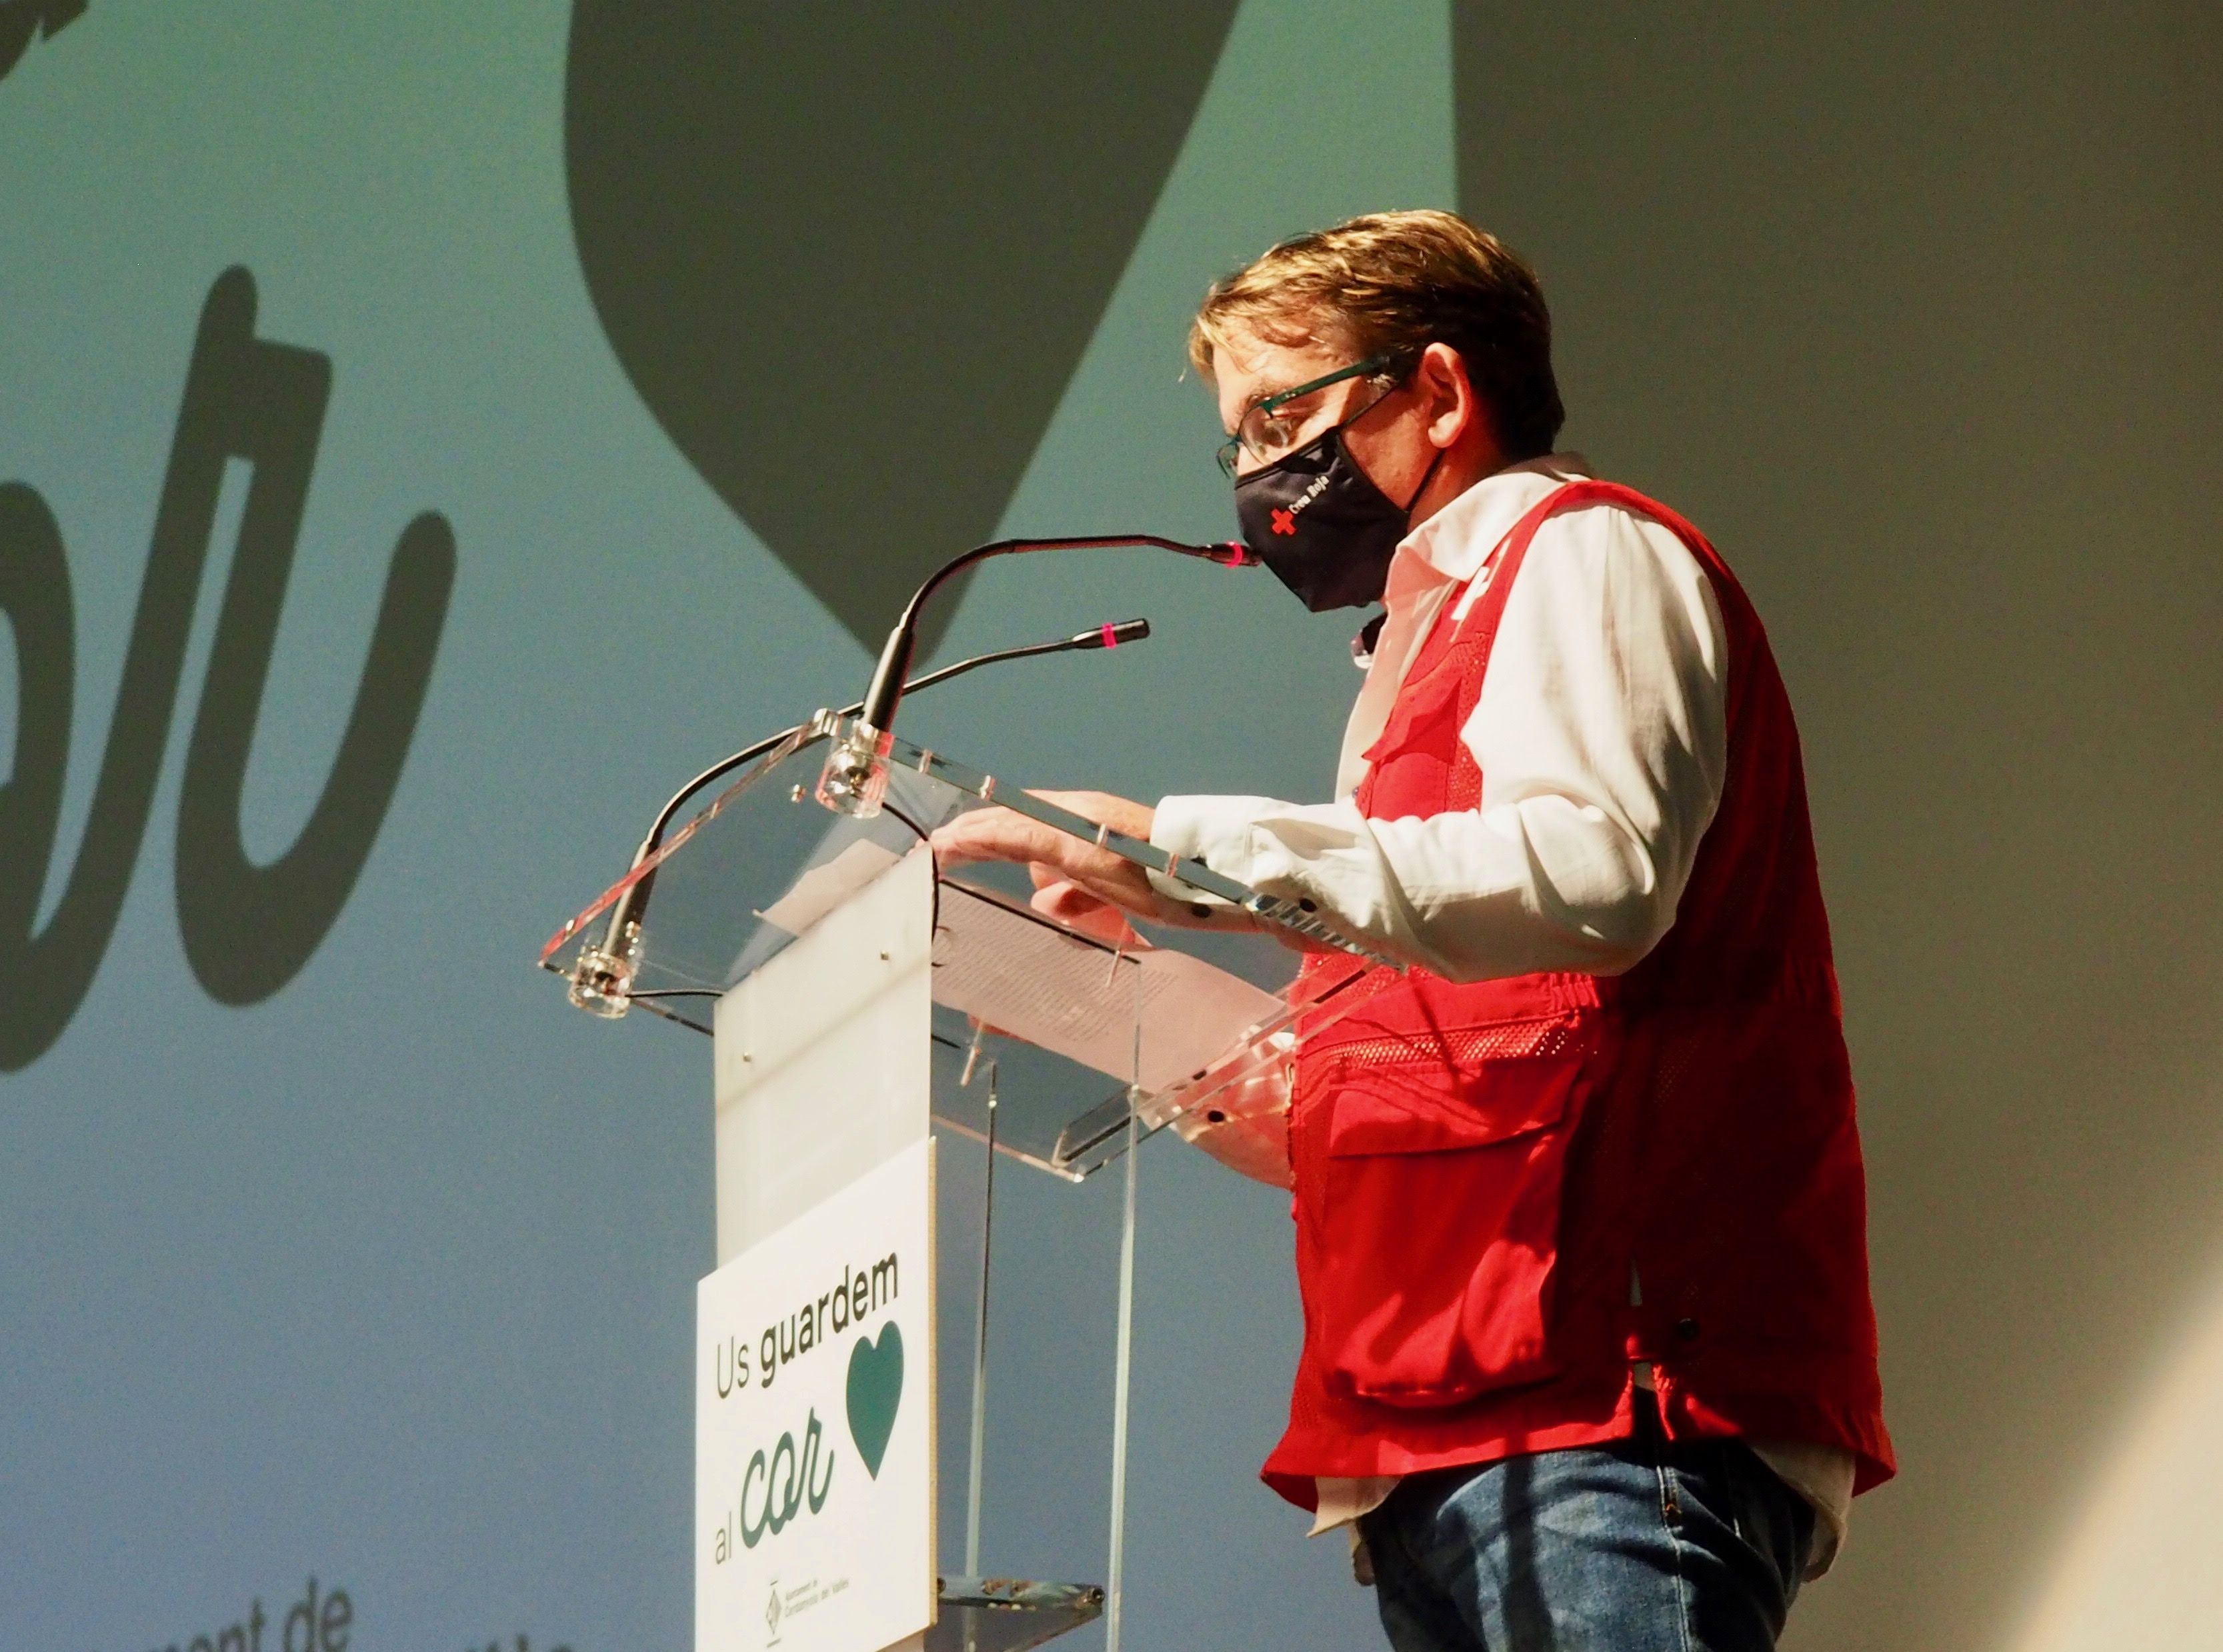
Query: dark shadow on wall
pixel 850 254
pixel 1913 308
pixel 21 20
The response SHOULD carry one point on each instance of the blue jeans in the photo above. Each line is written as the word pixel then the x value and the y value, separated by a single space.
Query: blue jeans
pixel 1642 1546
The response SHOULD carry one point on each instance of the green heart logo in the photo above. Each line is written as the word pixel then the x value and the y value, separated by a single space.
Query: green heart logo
pixel 875 1388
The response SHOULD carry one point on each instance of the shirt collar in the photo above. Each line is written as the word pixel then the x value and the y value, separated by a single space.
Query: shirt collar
pixel 1456 541
pixel 1432 561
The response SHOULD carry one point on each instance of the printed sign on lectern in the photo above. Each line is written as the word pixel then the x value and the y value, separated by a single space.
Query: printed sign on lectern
pixel 814 1426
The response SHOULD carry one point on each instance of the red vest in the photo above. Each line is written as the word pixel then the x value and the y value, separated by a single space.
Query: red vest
pixel 1483 1171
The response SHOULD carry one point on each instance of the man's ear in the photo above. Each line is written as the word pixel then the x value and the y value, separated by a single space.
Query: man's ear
pixel 1458 416
pixel 1445 395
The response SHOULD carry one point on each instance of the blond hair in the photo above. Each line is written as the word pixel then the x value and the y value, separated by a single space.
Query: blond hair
pixel 1391 283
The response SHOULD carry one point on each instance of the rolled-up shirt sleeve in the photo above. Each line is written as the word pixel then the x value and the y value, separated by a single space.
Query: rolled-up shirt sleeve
pixel 1601 733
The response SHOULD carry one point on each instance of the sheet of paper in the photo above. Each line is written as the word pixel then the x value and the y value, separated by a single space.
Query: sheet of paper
pixel 1041 983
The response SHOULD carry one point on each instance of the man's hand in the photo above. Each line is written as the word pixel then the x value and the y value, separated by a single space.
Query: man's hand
pixel 1002 835
pixel 1076 882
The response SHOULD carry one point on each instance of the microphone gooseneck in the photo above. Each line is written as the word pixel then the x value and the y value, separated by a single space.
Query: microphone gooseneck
pixel 1112 634
pixel 877 710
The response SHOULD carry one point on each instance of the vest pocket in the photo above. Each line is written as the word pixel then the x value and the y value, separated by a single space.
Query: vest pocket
pixel 1439 1214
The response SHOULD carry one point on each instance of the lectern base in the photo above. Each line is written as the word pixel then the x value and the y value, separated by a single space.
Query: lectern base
pixel 1008 1614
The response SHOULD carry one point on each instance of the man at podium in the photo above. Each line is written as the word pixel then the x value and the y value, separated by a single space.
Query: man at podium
pixel 1589 1360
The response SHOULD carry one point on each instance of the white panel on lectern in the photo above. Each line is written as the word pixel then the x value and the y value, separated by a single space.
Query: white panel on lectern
pixel 814 1426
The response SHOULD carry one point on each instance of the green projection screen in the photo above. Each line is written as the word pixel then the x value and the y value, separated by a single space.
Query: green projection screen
pixel 429 431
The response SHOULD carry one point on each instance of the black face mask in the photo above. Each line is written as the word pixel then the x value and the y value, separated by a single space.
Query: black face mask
pixel 1319 523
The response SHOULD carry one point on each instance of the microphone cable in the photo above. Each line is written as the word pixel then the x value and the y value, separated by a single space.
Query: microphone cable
pixel 604 984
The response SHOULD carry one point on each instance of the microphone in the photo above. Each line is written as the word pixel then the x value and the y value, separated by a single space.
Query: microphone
pixel 855 776
pixel 1127 631
pixel 877 710
pixel 602 980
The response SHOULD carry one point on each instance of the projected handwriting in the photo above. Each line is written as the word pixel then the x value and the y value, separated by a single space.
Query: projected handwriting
pixel 247 929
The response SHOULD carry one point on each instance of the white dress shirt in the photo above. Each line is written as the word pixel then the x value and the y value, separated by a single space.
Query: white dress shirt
pixel 1602 736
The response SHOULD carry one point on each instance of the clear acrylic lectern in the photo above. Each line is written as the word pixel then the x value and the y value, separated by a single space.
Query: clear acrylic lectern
pixel 862 1005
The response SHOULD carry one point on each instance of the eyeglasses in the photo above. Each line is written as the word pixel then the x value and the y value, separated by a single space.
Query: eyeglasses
pixel 1265 432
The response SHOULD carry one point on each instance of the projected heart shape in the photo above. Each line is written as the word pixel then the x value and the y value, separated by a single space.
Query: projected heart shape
pixel 19 22
pixel 876 1375
pixel 850 254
